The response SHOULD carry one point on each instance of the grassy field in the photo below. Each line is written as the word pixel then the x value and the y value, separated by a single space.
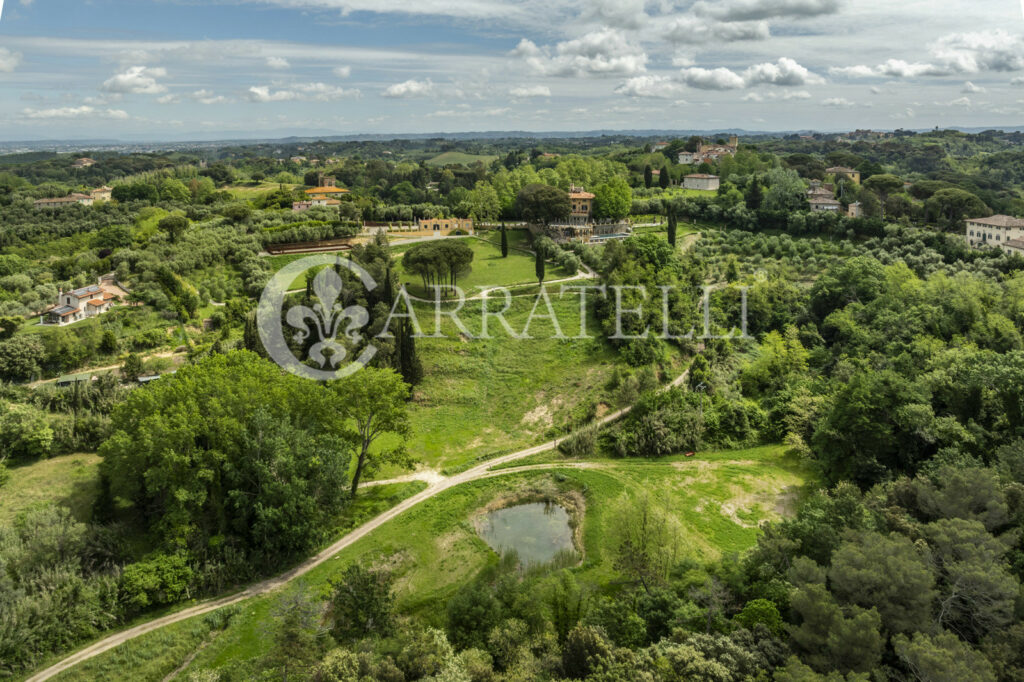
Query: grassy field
pixel 488 269
pixel 71 481
pixel 457 158
pixel 433 549
pixel 482 397
pixel 250 192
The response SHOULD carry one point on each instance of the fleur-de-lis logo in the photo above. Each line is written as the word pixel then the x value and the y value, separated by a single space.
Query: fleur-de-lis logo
pixel 327 317
pixel 333 326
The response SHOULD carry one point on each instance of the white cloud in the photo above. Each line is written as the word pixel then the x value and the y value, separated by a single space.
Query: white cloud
pixel 599 53
pixel 660 87
pixel 167 99
pixel 785 72
pixel 694 31
pixel 752 10
pixel 1019 80
pixel 9 60
pixel 837 102
pixel 410 88
pixel 531 91
pixel 622 13
pixel 208 97
pixel 299 92
pixel 981 51
pixel 83 111
pixel 971 89
pixel 712 79
pixel 278 63
pixel 342 71
pixel 137 80
pixel 753 97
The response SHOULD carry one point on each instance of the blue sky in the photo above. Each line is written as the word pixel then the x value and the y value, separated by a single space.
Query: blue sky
pixel 174 69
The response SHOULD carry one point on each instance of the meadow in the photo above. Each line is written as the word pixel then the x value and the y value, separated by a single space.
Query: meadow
pixel 459 158
pixel 433 549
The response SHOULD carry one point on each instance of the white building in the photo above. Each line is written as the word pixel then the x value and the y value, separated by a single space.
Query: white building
pixel 1003 231
pixel 90 301
pixel 825 204
pixel 702 181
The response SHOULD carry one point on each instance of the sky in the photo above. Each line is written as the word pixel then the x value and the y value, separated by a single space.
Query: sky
pixel 184 69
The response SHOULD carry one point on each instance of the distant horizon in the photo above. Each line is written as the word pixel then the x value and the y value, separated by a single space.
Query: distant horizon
pixel 287 137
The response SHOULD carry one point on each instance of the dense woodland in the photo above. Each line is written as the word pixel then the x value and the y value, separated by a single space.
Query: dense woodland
pixel 886 356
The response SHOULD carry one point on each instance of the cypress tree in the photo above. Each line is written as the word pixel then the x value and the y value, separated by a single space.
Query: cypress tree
pixel 663 180
pixel 648 176
pixel 411 368
pixel 389 292
pixel 671 225
pixel 504 242
pixel 540 267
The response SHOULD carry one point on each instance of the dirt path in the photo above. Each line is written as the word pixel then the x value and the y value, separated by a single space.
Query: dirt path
pixel 436 484
pixel 108 368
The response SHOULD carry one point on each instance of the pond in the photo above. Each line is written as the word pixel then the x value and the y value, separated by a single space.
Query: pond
pixel 537 532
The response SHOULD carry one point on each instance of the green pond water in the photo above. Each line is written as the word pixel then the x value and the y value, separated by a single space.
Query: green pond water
pixel 537 532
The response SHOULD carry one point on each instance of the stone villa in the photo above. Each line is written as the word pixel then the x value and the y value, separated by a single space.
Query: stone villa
pixel 1002 231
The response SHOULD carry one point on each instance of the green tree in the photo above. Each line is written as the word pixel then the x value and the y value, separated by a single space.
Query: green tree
pixel 132 367
pixel 648 176
pixel 584 647
pixel 25 433
pixel 942 657
pixel 361 604
pixel 543 203
pixel 295 635
pixel 174 226
pixel 664 180
pixel 504 241
pixel 9 325
pixel 374 402
pixel 230 453
pixel 646 540
pixel 613 199
pixel 539 266
pixel 21 359
pixel 673 225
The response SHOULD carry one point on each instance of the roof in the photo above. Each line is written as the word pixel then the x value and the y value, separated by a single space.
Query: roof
pixel 581 195
pixel 825 202
pixel 97 302
pixel 1015 243
pixel 72 378
pixel 841 169
pixel 327 190
pixel 63 311
pixel 998 221
pixel 702 176
pixel 84 291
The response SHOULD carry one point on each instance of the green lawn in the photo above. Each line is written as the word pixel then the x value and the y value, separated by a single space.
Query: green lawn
pixel 250 192
pixel 456 158
pixel 488 269
pixel 71 481
pixel 432 549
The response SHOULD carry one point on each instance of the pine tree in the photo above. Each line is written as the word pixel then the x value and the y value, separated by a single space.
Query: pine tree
pixel 672 225
pixel 754 195
pixel 664 179
pixel 648 176
pixel 540 267
pixel 504 241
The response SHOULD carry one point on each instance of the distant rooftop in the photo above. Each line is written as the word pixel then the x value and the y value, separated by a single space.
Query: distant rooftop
pixel 999 221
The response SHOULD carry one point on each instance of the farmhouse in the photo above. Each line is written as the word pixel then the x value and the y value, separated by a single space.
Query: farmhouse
pixel 855 210
pixel 1002 231
pixel 825 204
pixel 70 200
pixel 658 146
pixel 328 189
pixel 102 193
pixel 702 181
pixel 83 303
pixel 84 162
pixel 851 173
pixel 580 226
pixel 710 152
